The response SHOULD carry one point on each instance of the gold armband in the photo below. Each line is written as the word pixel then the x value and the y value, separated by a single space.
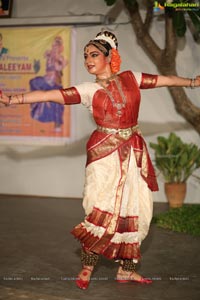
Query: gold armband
pixel 148 81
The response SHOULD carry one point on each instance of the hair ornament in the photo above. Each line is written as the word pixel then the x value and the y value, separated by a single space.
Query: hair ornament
pixel 115 61
pixel 109 37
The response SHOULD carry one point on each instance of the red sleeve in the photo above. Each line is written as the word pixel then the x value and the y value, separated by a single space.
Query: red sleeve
pixel 148 81
pixel 71 96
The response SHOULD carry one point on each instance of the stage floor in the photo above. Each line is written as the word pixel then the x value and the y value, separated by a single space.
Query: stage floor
pixel 39 258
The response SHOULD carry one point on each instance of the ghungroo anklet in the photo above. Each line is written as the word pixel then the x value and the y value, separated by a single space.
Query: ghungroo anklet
pixel 89 259
pixel 128 265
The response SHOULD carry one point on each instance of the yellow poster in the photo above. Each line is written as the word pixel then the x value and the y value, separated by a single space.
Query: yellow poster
pixel 35 58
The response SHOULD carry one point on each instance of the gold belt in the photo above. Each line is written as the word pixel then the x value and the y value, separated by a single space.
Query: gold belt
pixel 123 132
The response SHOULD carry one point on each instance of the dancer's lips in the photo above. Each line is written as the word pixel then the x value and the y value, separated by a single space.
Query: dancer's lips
pixel 90 67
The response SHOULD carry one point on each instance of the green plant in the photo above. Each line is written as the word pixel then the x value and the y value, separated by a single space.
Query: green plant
pixel 175 159
pixel 184 219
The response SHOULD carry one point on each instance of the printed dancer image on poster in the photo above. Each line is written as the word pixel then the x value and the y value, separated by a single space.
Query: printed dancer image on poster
pixel 55 63
pixel 3 50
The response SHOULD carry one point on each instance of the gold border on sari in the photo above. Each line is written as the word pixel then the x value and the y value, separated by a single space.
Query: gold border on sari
pixel 106 247
pixel 102 218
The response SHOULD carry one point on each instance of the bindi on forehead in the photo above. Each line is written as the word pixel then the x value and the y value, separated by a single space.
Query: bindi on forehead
pixel 87 50
pixel 91 51
pixel 91 48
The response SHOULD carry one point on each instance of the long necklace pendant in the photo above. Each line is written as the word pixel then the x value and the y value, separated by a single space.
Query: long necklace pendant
pixel 119 113
pixel 118 106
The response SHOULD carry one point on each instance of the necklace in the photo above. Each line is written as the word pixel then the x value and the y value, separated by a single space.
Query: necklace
pixel 106 80
pixel 119 106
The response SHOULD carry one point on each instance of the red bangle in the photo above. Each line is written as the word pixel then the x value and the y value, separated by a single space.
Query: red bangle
pixel 22 98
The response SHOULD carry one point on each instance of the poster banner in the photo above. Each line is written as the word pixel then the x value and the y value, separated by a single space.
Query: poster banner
pixel 35 58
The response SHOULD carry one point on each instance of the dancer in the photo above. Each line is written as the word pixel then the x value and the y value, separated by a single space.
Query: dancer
pixel 120 178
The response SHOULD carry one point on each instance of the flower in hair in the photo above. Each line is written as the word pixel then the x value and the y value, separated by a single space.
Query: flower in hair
pixel 115 61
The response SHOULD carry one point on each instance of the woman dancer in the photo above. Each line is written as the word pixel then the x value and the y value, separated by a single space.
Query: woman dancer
pixel 119 174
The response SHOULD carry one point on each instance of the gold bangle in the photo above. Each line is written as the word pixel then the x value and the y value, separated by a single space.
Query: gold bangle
pixel 20 99
pixel 192 83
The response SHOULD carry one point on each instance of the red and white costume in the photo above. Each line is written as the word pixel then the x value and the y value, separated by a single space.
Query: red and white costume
pixel 119 174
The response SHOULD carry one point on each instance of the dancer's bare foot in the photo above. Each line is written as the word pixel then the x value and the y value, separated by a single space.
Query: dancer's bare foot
pixel 86 272
pixel 129 276
pixel 83 279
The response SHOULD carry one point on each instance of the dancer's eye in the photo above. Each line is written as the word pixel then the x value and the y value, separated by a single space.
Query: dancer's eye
pixel 95 54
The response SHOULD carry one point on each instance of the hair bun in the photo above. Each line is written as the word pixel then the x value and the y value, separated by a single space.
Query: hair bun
pixel 108 37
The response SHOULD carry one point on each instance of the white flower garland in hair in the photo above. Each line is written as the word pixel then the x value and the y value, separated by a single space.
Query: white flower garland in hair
pixel 107 39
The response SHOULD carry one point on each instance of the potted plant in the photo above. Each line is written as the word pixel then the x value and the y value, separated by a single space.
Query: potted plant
pixel 176 161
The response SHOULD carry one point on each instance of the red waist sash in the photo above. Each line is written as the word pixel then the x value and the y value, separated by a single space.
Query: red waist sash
pixel 101 145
